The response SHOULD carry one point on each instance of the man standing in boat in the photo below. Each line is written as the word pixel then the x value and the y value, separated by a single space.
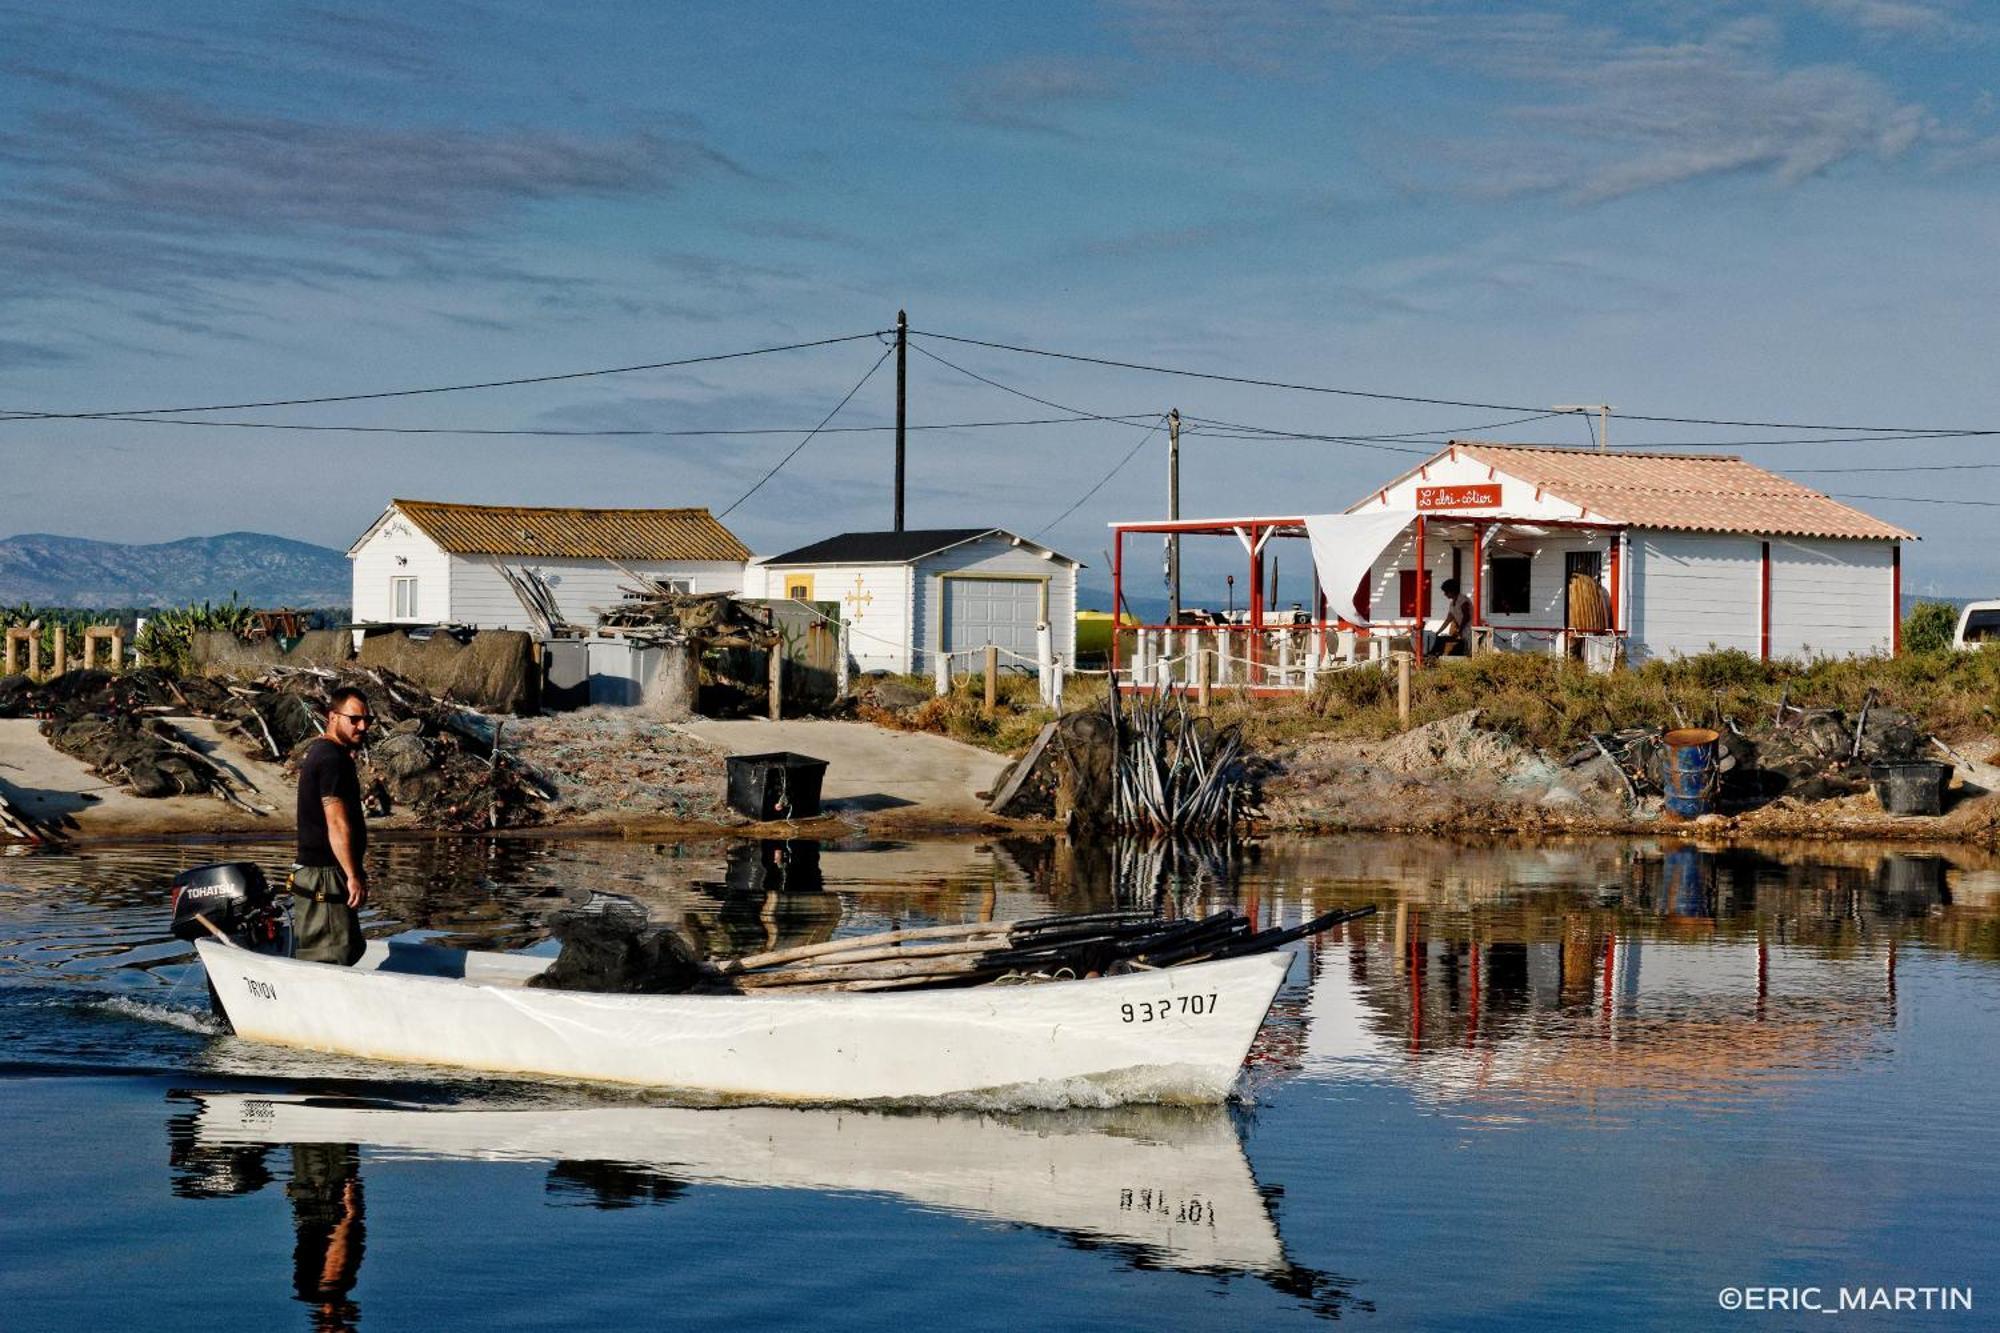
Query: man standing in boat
pixel 329 883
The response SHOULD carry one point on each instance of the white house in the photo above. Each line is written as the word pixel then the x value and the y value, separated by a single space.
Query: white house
pixel 1691 552
pixel 903 594
pixel 428 563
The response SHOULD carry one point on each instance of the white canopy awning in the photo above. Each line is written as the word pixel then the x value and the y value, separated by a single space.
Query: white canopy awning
pixel 1345 547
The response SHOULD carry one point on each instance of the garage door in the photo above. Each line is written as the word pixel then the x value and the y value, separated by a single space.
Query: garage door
pixel 997 611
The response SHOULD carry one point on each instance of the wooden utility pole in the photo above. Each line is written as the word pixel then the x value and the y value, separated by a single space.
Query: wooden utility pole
pixel 902 388
pixel 1174 513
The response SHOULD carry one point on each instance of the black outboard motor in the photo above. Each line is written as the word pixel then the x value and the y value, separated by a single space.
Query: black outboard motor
pixel 236 899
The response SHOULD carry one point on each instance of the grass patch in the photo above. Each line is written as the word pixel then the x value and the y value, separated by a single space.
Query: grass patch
pixel 1544 701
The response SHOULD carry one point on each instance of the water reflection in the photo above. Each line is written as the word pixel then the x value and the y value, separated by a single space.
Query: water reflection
pixel 1164 1187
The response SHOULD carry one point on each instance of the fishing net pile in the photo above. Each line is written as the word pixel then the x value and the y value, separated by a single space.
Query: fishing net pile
pixel 425 755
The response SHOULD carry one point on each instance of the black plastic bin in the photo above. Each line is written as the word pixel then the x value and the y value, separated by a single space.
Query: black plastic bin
pixel 779 785
pixel 1914 787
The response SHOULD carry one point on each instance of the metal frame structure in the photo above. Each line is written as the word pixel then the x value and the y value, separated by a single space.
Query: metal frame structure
pixel 1255 533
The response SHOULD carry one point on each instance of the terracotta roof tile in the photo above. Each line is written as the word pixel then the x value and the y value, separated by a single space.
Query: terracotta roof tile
pixel 588 534
pixel 1686 492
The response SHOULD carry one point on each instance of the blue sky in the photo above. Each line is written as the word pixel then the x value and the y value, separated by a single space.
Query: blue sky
pixel 1779 212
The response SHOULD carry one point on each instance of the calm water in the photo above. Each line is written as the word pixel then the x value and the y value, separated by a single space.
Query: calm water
pixel 1587 1086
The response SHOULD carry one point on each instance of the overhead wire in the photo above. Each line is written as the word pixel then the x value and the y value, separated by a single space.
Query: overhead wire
pixel 1116 468
pixel 580 433
pixel 849 397
pixel 17 414
pixel 1256 382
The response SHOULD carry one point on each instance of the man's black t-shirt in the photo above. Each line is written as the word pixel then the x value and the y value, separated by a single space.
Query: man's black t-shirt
pixel 327 771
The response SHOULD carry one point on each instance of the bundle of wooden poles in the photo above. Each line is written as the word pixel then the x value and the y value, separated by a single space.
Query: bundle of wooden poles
pixel 1173 772
pixel 1040 949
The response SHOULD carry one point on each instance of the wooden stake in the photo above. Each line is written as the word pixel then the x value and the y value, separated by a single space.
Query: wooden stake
pixel 777 681
pixel 1403 689
pixel 1204 669
pixel 992 678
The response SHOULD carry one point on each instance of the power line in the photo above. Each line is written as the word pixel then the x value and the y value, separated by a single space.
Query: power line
pixel 1254 382
pixel 1115 470
pixel 1020 393
pixel 447 388
pixel 563 433
pixel 887 353
pixel 1916 500
pixel 1907 467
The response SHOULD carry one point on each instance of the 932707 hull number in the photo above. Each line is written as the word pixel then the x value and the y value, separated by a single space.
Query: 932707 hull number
pixel 1153 1011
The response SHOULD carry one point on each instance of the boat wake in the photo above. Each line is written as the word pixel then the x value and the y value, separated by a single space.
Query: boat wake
pixel 198 1021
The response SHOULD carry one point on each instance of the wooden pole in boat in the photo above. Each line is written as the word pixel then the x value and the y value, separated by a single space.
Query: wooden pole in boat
pixel 210 927
pixel 855 942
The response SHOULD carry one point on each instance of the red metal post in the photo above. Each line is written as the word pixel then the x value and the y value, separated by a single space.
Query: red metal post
pixel 1117 595
pixel 1478 577
pixel 1764 607
pixel 1617 579
pixel 1255 648
pixel 1895 599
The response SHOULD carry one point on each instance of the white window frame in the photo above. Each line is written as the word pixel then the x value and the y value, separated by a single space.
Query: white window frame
pixel 405 608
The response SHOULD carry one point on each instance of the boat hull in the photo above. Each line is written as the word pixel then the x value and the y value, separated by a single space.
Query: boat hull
pixel 1178 1034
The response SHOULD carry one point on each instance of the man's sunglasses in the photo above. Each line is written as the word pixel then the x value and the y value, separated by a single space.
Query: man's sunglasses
pixel 358 719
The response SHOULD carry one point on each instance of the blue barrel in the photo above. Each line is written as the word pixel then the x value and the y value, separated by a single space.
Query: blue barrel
pixel 1690 770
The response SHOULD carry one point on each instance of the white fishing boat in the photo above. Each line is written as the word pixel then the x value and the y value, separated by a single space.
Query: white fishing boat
pixel 1172 1034
pixel 1170 1181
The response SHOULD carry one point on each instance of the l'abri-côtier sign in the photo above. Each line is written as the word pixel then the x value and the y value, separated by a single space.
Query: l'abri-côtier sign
pixel 1459 497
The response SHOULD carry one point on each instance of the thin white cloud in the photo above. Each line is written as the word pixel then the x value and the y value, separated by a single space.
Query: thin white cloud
pixel 1583 107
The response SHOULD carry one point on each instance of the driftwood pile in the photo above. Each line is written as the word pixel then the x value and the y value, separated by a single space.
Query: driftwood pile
pixel 116 725
pixel 424 754
pixel 707 620
pixel 433 758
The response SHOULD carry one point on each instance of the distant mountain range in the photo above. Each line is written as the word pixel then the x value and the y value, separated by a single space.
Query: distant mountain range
pixel 255 567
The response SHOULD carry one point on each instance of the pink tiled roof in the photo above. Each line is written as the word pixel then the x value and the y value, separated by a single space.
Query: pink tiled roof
pixel 1688 492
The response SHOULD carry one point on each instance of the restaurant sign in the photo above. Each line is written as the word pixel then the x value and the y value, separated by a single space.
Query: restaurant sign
pixel 1459 497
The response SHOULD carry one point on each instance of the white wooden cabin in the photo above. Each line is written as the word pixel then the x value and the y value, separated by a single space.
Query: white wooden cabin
pixel 903 595
pixel 1693 553
pixel 429 563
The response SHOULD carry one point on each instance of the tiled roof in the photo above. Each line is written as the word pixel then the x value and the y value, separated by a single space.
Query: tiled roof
pixel 588 534
pixel 1686 492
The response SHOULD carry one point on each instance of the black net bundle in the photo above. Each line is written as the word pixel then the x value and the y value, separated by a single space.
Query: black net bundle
pixel 609 944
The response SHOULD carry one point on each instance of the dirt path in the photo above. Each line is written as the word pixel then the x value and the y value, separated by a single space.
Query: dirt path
pixel 887 776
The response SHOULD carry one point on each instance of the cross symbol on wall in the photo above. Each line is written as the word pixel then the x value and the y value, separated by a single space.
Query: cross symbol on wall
pixel 857 599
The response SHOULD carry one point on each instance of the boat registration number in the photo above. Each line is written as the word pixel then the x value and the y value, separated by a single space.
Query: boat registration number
pixel 1152 1011
pixel 263 990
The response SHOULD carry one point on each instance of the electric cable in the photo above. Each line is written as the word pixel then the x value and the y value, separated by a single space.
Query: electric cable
pixel 887 353
pixel 605 433
pixel 17 414
pixel 1255 382
pixel 1115 470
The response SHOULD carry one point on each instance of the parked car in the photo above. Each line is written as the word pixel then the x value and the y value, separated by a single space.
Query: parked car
pixel 1978 625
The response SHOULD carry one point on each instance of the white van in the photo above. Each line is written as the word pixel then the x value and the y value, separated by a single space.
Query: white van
pixel 1978 625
